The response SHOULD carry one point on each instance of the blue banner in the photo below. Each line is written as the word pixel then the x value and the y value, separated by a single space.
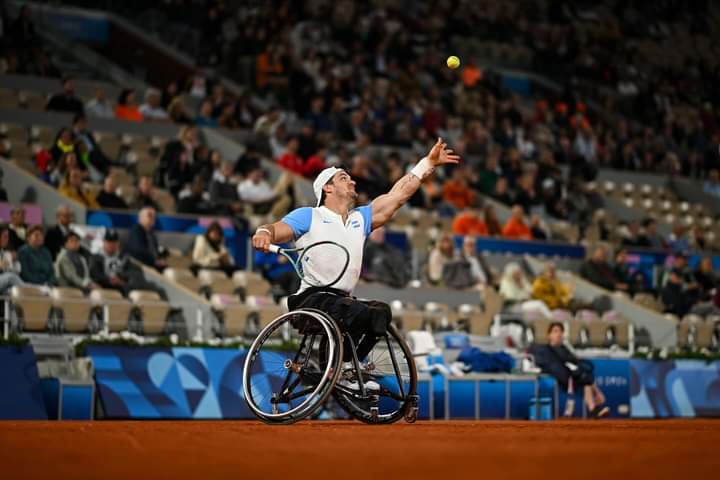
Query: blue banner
pixel 679 388
pixel 21 396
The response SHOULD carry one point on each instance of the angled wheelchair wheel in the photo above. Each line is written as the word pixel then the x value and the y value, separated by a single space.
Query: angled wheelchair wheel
pixel 391 365
pixel 292 366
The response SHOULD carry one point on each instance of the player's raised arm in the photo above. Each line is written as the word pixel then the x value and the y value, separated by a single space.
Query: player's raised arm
pixel 278 232
pixel 385 206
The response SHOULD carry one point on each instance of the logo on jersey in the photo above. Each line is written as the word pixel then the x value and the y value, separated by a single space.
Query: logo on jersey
pixel 355 224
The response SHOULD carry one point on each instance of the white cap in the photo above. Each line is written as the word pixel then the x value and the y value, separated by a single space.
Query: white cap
pixel 323 177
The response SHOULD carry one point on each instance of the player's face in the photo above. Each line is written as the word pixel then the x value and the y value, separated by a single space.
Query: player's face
pixel 345 187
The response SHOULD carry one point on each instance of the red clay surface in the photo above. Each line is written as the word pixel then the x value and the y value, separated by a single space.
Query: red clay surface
pixel 680 449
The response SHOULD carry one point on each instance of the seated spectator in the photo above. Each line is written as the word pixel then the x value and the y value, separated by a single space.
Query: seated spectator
pixel 501 192
pixel 98 106
pixel 35 260
pixel 705 277
pixel 456 191
pixel 151 109
pixel 712 184
pixel 469 254
pixel 227 118
pixel 515 228
pixel 470 222
pixel 204 117
pixel 290 159
pixel 385 263
pixel 71 268
pixel 224 190
pixel 145 196
pixel 514 285
pixel 690 288
pixel 65 101
pixel 67 163
pixel 548 288
pixel 537 229
pixel 56 235
pixel 107 198
pixel 491 221
pixel 278 271
pixel 648 236
pixel 678 241
pixel 94 158
pixel 143 243
pixel 675 296
pixel 9 265
pixel 73 188
pixel 64 144
pixel 177 111
pixel 18 229
pixel 209 250
pixel 113 270
pixel 526 196
pixel 634 280
pixel 126 108
pixel 197 201
pixel 557 360
pixel 256 191
pixel 597 270
pixel 442 253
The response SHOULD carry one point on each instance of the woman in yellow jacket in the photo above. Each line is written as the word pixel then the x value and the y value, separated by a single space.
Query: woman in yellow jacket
pixel 548 288
pixel 72 187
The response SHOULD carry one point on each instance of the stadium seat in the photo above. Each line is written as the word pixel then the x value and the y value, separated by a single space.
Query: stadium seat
pixel 115 306
pixel 153 310
pixel 251 283
pixel 620 328
pixel 176 259
pixel 264 310
pixel 32 307
pixel 703 335
pixel 232 314
pixel 183 277
pixel 215 281
pixel 75 308
pixel 649 301
pixel 165 200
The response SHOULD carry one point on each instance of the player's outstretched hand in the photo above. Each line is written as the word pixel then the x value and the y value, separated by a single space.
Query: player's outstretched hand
pixel 441 155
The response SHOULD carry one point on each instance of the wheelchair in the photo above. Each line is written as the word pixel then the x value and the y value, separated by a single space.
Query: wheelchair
pixel 296 362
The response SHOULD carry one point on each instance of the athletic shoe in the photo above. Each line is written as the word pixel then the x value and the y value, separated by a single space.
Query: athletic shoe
pixel 599 411
pixel 370 386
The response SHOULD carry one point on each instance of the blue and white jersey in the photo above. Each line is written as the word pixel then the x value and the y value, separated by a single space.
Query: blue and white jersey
pixel 311 225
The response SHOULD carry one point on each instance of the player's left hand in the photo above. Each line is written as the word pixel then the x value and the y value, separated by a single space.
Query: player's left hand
pixel 441 155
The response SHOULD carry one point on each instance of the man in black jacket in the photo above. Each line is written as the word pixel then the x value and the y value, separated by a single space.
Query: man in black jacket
pixel 66 101
pixel 557 360
pixel 107 198
pixel 598 271
pixel 113 270
pixel 55 236
pixel 143 242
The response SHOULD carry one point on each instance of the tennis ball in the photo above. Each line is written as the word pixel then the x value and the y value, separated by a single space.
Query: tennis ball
pixel 453 62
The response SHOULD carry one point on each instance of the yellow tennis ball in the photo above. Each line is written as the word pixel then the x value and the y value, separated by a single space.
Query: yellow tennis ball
pixel 453 62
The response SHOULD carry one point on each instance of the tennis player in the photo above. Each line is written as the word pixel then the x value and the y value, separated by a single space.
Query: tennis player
pixel 335 217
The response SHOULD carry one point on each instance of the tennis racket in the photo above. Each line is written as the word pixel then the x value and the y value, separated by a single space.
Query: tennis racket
pixel 321 264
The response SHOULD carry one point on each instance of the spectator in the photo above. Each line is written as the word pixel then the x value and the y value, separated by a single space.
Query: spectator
pixel 548 288
pixel 597 270
pixel 143 243
pixel 145 196
pixel 177 111
pixel 557 360
pixel 96 159
pixel 515 228
pixel 35 260
pixel 204 117
pixel 383 262
pixel 649 237
pixel 676 298
pixel 71 268
pixel 169 94
pixel 263 199
pixel 197 201
pixel 67 163
pixel 443 253
pixel 537 229
pixel 98 106
pixel 151 109
pixel 678 241
pixel 706 278
pixel 290 159
pixel 224 190
pixel 64 144
pixel 107 198
pixel 712 184
pixel 9 265
pixel 66 101
pixel 469 254
pixel 113 270
pixel 56 236
pixel 491 222
pixel 456 191
pixel 18 229
pixel 126 108
pixel 526 196
pixel 514 285
pixel 73 188
pixel 501 192
pixel 209 250
pixel 469 222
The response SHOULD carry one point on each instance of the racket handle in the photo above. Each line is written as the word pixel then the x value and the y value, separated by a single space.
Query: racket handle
pixel 274 248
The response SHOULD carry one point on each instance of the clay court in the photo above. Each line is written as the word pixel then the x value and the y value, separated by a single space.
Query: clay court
pixel 247 449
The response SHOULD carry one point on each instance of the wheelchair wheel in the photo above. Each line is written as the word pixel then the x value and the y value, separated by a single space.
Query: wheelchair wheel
pixel 292 366
pixel 391 365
